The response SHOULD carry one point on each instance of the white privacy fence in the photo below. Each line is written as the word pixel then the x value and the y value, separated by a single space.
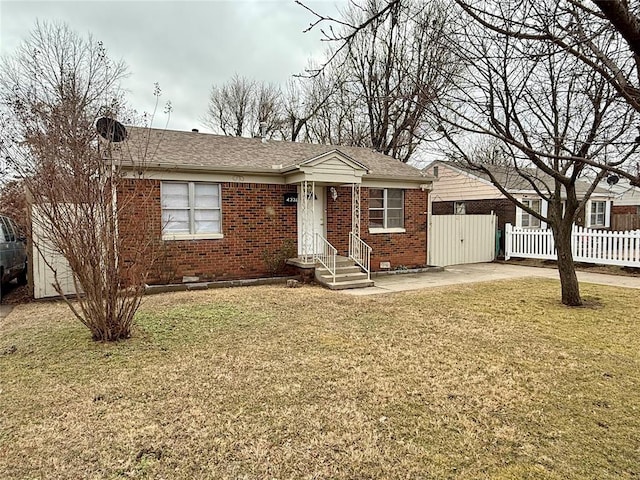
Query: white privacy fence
pixel 591 246
pixel 460 239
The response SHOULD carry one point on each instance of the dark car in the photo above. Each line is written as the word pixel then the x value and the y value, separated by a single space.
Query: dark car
pixel 13 252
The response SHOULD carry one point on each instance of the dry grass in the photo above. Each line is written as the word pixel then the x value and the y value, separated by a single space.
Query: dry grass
pixel 494 380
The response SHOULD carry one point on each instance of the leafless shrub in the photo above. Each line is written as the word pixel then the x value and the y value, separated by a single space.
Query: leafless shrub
pixel 53 90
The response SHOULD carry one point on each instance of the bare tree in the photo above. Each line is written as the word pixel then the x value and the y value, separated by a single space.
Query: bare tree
pixel 556 119
pixel 244 107
pixel 604 35
pixel 391 70
pixel 303 99
pixel 532 20
pixel 230 106
pixel 13 202
pixel 52 90
pixel 551 82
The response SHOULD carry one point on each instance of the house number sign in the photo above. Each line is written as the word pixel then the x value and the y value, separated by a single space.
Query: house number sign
pixel 290 199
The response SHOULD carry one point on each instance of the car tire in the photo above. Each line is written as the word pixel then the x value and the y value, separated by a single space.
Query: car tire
pixel 22 278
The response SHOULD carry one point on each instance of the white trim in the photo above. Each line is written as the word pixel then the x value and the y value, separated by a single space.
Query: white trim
pixel 335 153
pixel 210 177
pixel 194 236
pixel 375 230
pixel 419 184
pixel 607 214
pixel 533 193
pixel 277 178
pixel 518 214
pixel 191 209
pixel 311 218
pixel 385 209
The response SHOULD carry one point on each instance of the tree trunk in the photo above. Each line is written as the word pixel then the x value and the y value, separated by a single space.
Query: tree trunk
pixel 566 267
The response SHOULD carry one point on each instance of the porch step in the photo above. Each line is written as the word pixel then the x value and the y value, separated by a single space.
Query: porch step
pixel 348 275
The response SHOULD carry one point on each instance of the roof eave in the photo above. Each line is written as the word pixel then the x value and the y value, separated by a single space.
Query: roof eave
pixel 202 168
pixel 401 178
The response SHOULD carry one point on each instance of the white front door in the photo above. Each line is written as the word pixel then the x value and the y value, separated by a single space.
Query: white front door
pixel 315 224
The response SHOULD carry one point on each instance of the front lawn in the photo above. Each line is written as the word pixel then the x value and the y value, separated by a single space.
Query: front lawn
pixel 493 380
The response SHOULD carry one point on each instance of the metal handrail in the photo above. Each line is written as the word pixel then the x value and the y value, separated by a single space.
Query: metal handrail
pixel 327 255
pixel 360 253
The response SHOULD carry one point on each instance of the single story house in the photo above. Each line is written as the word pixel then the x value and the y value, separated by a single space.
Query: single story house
pixel 461 190
pixel 625 211
pixel 626 197
pixel 216 204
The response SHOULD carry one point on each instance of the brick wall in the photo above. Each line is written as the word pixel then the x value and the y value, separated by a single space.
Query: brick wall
pixel 408 248
pixel 620 209
pixel 503 208
pixel 254 219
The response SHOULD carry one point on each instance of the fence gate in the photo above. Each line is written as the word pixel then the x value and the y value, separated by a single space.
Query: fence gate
pixel 457 239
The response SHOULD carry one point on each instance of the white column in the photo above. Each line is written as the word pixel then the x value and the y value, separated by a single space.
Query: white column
pixel 355 209
pixel 307 209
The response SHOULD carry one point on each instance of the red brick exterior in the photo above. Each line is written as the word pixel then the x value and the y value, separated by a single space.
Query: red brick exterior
pixel 254 219
pixel 408 248
pixel 621 209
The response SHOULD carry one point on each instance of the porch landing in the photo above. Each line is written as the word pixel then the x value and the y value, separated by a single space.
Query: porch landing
pixel 348 273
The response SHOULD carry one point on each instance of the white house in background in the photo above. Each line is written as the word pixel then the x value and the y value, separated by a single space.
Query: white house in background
pixel 460 190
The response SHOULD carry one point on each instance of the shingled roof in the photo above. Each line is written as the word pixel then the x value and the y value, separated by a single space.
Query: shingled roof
pixel 175 149
pixel 514 182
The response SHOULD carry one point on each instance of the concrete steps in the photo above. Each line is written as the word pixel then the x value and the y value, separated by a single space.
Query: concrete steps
pixel 348 275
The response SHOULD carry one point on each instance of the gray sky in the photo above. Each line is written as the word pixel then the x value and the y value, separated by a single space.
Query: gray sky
pixel 186 46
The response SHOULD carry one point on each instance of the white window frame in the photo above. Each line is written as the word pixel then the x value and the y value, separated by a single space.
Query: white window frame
pixel 459 208
pixel 191 235
pixel 384 209
pixel 531 219
pixel 594 214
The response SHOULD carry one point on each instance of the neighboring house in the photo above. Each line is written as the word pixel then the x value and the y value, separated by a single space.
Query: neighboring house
pixel 460 190
pixel 625 211
pixel 626 198
pixel 216 204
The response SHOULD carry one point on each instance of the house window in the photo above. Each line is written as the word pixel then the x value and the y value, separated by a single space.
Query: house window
pixel 528 220
pixel 459 208
pixel 598 212
pixel 191 209
pixel 386 208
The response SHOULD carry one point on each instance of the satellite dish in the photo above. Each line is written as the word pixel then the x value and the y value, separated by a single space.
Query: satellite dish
pixel 613 179
pixel 111 130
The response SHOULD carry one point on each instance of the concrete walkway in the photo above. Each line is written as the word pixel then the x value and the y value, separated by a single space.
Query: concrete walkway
pixel 481 272
pixel 5 310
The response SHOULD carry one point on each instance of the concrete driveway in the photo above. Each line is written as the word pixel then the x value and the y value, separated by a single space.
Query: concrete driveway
pixel 480 272
pixel 5 310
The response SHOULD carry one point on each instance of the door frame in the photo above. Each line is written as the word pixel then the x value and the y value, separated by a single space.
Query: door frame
pixel 320 213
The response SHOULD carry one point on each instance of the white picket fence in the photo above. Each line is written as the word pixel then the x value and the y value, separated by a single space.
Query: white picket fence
pixel 590 246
